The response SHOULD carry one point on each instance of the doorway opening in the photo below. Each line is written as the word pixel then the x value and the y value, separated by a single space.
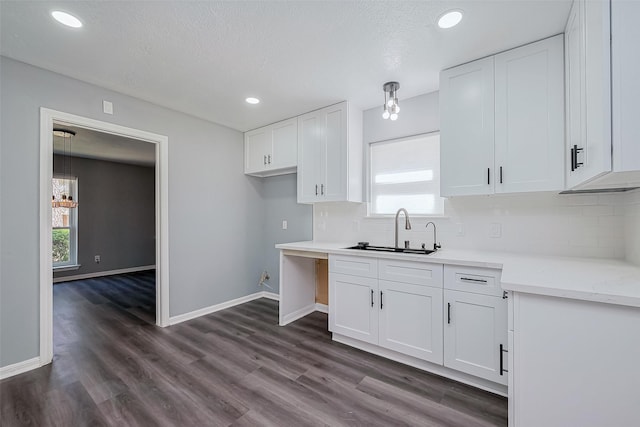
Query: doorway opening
pixel 127 137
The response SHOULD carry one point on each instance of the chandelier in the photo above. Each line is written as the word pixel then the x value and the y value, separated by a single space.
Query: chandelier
pixel 390 107
pixel 66 200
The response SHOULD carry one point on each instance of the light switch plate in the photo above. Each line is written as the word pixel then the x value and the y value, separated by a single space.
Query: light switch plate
pixel 107 107
pixel 495 230
pixel 284 224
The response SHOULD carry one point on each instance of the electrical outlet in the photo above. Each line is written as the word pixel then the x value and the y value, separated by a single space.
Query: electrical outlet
pixel 97 259
pixel 284 224
pixel 459 229
pixel 107 107
pixel 495 230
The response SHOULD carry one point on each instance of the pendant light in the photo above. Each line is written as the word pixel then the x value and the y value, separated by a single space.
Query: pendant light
pixel 390 109
pixel 66 200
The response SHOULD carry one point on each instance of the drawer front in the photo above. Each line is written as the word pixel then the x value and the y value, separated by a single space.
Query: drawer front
pixel 485 281
pixel 417 273
pixel 353 265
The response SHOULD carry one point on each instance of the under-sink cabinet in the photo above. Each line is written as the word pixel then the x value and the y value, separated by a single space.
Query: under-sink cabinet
pixel 391 303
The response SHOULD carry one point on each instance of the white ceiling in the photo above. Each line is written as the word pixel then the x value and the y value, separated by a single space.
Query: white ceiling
pixel 205 58
pixel 92 144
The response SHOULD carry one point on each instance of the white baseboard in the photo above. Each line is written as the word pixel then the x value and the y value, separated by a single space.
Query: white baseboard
pixel 103 273
pixel 19 368
pixel 298 314
pixel 322 308
pixel 174 320
pixel 271 295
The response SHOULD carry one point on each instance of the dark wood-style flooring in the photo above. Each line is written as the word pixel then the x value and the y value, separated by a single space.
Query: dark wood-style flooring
pixel 234 367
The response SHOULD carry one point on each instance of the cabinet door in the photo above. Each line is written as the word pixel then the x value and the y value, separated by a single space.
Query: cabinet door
pixel 588 76
pixel 284 144
pixel 257 146
pixel 529 117
pixel 626 85
pixel 467 129
pixel 474 328
pixel 352 306
pixel 311 149
pixel 411 319
pixel 334 185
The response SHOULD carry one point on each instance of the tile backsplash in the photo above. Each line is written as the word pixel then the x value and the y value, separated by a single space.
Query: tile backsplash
pixel 586 225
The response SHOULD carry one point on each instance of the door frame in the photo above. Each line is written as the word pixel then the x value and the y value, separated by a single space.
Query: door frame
pixel 47 117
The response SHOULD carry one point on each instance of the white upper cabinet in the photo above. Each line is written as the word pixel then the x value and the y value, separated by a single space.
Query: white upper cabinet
pixel 271 150
pixel 529 118
pixel 587 75
pixel 467 129
pixel 330 155
pixel 626 85
pixel 502 122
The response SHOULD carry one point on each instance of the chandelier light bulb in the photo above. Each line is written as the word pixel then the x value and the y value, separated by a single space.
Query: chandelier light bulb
pixel 385 112
pixel 394 116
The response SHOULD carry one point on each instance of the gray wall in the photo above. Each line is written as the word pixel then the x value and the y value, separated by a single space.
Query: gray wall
pixel 215 212
pixel 418 115
pixel 116 215
pixel 280 194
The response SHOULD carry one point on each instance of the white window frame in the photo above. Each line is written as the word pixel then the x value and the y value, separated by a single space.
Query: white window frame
pixel 368 177
pixel 72 264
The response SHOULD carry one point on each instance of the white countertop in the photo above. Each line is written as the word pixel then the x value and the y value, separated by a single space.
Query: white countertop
pixel 589 279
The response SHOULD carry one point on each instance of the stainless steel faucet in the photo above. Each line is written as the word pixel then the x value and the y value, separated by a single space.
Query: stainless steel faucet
pixel 407 224
pixel 436 246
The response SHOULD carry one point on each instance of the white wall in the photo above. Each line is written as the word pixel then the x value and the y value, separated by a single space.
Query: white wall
pixel 632 227
pixel 215 215
pixel 588 225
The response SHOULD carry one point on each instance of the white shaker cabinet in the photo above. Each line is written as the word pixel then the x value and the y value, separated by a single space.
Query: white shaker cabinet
pixel 626 84
pixel 475 323
pixel 330 155
pixel 587 83
pixel 467 129
pixel 529 118
pixel 271 150
pixel 403 313
pixel 502 124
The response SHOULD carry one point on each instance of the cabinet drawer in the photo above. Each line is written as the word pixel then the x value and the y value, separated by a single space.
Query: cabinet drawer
pixel 417 273
pixel 484 281
pixel 354 265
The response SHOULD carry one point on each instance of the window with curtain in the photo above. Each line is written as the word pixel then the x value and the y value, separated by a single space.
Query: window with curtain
pixel 405 173
pixel 64 225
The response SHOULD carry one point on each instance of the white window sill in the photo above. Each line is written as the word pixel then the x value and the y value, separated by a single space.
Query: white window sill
pixel 67 267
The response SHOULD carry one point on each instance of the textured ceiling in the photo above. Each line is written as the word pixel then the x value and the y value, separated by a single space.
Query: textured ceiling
pixel 205 58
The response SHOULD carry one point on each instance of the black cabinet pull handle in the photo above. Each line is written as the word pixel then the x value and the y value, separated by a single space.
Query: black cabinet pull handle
pixel 264 161
pixel 573 159
pixel 316 189
pixel 468 279
pixel 502 351
pixel 371 297
pixel 488 176
pixel 505 295
pixel 380 300
pixel 269 159
pixel 448 313
pixel 322 189
pixel 500 174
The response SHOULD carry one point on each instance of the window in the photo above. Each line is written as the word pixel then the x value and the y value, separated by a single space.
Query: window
pixel 65 225
pixel 405 173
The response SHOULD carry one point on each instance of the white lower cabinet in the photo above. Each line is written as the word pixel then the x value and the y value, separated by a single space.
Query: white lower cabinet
pixel 353 311
pixel 475 333
pixel 410 319
pixel 451 316
pixel 400 316
pixel 475 323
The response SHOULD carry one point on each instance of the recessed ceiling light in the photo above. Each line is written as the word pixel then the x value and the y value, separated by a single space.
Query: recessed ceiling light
pixel 450 19
pixel 252 100
pixel 66 19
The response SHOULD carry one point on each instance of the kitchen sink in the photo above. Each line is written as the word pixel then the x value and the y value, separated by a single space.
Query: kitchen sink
pixel 365 246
